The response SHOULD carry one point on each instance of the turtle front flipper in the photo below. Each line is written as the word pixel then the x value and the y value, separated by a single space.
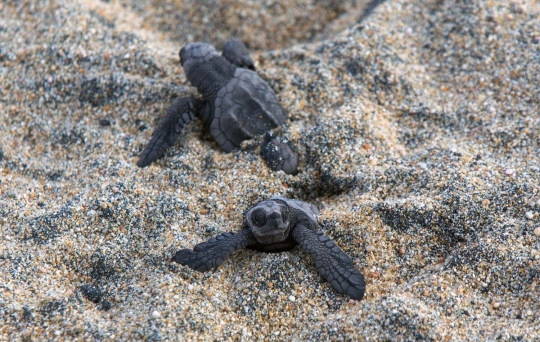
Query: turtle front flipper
pixel 237 53
pixel 209 255
pixel 182 111
pixel 331 262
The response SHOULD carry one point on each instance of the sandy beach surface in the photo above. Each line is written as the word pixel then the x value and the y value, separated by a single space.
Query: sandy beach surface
pixel 418 127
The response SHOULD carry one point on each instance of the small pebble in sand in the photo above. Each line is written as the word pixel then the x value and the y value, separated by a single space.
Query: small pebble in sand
pixel 485 202
pixel 537 231
pixel 156 314
pixel 292 298
pixel 423 166
pixel 509 172
pixel 496 305
pixel 529 215
pixel 370 248
pixel 538 203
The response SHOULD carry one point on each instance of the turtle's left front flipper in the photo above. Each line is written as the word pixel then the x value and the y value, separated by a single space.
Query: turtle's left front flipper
pixel 182 111
pixel 331 262
pixel 208 255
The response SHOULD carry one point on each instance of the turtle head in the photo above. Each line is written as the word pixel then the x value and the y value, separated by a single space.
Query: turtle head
pixel 269 221
pixel 194 53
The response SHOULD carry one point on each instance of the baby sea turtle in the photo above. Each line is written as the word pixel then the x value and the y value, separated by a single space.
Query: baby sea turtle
pixel 237 103
pixel 277 225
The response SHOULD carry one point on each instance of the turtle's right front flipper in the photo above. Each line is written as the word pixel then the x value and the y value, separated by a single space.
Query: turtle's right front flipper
pixel 208 255
pixel 237 53
pixel 182 111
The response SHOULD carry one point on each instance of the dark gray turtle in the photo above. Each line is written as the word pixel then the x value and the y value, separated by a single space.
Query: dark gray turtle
pixel 237 103
pixel 276 225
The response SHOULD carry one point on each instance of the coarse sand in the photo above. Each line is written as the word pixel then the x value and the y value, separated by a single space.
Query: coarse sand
pixel 418 127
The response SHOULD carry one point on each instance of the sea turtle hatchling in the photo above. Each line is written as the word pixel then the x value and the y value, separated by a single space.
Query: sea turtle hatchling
pixel 237 103
pixel 277 225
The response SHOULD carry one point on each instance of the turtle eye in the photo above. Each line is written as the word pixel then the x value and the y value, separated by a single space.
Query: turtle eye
pixel 259 217
pixel 284 214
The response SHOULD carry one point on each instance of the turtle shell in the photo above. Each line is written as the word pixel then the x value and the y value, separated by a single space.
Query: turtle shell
pixel 244 108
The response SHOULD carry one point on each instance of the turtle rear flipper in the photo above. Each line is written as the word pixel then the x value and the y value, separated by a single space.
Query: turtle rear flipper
pixel 182 111
pixel 279 154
